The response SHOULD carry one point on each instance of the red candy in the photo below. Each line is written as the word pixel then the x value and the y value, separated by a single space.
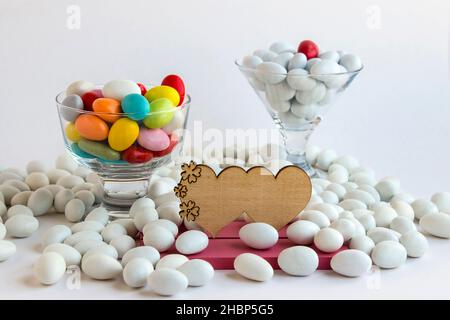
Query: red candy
pixel 174 81
pixel 172 144
pixel 308 48
pixel 143 88
pixel 89 98
pixel 137 154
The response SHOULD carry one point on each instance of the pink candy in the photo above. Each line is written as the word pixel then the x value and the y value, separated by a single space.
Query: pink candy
pixel 153 139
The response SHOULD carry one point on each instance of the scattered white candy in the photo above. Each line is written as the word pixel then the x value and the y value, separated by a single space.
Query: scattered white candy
pixel 362 243
pixel 113 230
pixel 37 180
pixel 170 211
pixel 351 62
pixel 55 174
pixel 73 239
pixel 328 240
pixel 69 182
pixel 101 267
pixel 87 225
pixel 270 72
pixel 302 232
pixel 160 238
pixel 169 225
pixel 253 267
pixel 317 217
pixel 258 235
pixel 351 263
pixel 87 197
pixel 384 216
pixel 129 226
pixel 191 242
pixel 345 227
pixel 327 209
pixel 436 224
pixel 423 207
pixel 35 166
pixel 85 245
pixel 325 158
pixel 98 214
pixel 283 59
pixel 198 272
pixel 297 61
pixel 56 234
pixel 19 209
pixel 330 55
pixel 387 188
pixel 403 209
pixel 389 254
pixel 7 250
pixel 21 226
pixel 49 268
pixel 71 256
pixel 123 244
pixel 2 231
pixel 146 252
pixel 40 202
pixel 74 210
pixel 103 248
pixel 442 201
pixel 167 282
pixel 62 198
pixel 415 244
pixel 20 198
pixel 298 261
pixel 136 272
pixel 403 225
pixel 380 234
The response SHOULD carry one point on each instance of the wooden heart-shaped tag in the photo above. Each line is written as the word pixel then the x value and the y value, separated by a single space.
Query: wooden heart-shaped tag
pixel 215 201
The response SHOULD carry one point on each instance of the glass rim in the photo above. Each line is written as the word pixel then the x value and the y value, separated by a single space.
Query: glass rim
pixel 244 68
pixel 59 104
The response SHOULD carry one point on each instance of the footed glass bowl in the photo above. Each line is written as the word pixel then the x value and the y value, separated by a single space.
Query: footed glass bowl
pixel 297 101
pixel 100 146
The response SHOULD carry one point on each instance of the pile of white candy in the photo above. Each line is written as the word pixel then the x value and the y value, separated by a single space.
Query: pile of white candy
pixel 375 217
pixel 296 87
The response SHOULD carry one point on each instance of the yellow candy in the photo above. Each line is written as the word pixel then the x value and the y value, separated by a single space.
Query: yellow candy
pixel 123 134
pixel 72 133
pixel 163 92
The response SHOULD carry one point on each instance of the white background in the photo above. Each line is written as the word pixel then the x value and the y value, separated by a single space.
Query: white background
pixel 394 118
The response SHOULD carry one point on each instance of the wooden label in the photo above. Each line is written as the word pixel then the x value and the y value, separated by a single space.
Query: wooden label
pixel 214 201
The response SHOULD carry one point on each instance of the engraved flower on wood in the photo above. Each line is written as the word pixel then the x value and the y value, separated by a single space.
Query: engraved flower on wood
pixel 180 190
pixel 189 210
pixel 190 172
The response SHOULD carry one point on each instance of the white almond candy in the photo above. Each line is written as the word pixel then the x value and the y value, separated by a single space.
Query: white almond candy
pixel 37 180
pixel 87 225
pixel 128 224
pixel 351 62
pixel 360 195
pixel 74 210
pixel 298 261
pixel 362 178
pixel 362 243
pixel 330 55
pixel 311 153
pixel 80 87
pixel 171 261
pixel 283 59
pixel 103 248
pixel 415 244
pixel 311 62
pixel 71 256
pixel 21 226
pixel 337 189
pixel 146 252
pixel 69 182
pixel 351 263
pixel 2 231
pixel 302 232
pixel 73 239
pixel 423 207
pixel 54 189
pixel 436 224
pixel 317 217
pixel 371 190
pixel 325 158
pixel 136 272
pixel 311 96
pixel 389 255
pixel 327 209
pixel 338 176
pixel 49 268
pixel 123 244
pixel 160 238
pixel 144 215
pixel 379 205
pixel 198 272
pixel 85 245
pixel 442 201
pixel 82 172
pixel 380 234
pixel 352 204
pixel 265 55
pixel 344 214
pixel 98 191
pixel 101 267
pixel 403 209
pixel 35 166
pixel 19 209
pixel 113 230
pixel 7 176
pixel 328 240
pixel 345 227
pixel 366 219
pixel 403 196
pixel 250 62
pixel 158 188
pixel 22 186
pixel 118 89
pixel 253 267
pixel 40 202
pixel 349 186
pixel 279 92
pixel 170 211
pixel 298 61
pixel 195 241
pixel 62 198
pixel 403 225
pixel 55 174
pixel 259 235
pixel 270 72
pixel 66 162
pixel 329 197
pixel 56 234
pixel 322 70
pixel 141 203
pixel 281 46
pixel 309 112
pixel 384 216
pixel 8 193
pixel 98 214
pixel 167 282
pixel 87 197
pixel 169 225
pixel 20 198
pixel 7 250
pixel 387 188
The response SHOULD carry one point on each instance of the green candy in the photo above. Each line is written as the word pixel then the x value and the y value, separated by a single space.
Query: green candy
pixel 161 113
pixel 99 150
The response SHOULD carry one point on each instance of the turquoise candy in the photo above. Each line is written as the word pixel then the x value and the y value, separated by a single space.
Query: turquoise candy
pixel 76 149
pixel 99 149
pixel 136 106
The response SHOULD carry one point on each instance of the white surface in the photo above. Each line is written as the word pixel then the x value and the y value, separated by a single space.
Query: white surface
pixel 394 118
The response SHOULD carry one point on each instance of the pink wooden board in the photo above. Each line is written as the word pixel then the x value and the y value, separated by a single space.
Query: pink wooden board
pixel 223 249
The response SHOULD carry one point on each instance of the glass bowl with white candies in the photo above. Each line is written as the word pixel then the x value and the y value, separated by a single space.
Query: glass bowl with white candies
pixel 124 131
pixel 297 86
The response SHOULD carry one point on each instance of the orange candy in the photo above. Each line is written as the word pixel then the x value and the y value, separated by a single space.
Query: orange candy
pixel 107 105
pixel 92 127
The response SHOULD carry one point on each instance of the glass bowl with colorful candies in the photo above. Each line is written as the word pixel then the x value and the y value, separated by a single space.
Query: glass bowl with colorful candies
pixel 297 85
pixel 123 131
